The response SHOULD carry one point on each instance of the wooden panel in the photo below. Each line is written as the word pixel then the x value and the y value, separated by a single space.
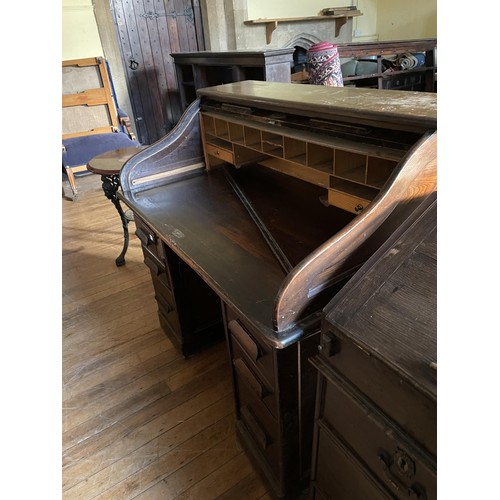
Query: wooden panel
pixel 354 202
pixel 148 33
pixel 399 110
pixel 354 483
pixel 375 440
pixel 91 97
pixel 88 105
pixel 222 154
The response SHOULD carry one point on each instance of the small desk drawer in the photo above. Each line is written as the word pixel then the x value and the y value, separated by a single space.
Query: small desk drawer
pixel 168 316
pixel 340 475
pixel 245 344
pixel 221 153
pixel 263 432
pixel 406 406
pixel 251 388
pixel 149 239
pixel 346 201
pixel 158 270
pixel 401 465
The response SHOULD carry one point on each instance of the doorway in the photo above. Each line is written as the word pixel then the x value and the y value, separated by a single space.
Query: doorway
pixel 148 31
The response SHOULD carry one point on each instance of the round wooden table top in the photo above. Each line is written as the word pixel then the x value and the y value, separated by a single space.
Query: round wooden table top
pixel 111 162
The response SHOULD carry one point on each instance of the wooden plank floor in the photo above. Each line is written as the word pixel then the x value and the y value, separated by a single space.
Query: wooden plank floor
pixel 139 420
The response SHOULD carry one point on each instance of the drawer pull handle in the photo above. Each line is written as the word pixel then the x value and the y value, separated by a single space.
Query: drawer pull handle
pixel 358 208
pixel 249 346
pixel 245 373
pixel 406 468
pixel 146 239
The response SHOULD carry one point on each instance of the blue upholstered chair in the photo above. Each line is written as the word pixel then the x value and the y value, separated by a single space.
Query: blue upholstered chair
pixel 92 121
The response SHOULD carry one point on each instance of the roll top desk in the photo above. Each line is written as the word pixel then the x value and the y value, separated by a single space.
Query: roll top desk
pixel 253 212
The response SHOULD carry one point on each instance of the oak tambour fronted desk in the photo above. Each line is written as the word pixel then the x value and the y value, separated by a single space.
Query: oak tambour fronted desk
pixel 253 212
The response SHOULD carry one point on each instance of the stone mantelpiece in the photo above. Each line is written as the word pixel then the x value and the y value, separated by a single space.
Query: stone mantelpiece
pixel 225 29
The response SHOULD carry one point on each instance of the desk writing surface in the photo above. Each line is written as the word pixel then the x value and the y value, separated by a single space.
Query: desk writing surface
pixel 205 223
pixel 394 108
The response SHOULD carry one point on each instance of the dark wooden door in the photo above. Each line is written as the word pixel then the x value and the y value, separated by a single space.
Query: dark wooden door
pixel 148 32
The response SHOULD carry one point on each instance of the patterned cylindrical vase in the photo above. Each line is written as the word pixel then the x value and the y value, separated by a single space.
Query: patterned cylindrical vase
pixel 323 64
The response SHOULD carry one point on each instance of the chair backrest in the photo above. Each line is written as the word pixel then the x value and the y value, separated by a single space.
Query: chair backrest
pixel 88 106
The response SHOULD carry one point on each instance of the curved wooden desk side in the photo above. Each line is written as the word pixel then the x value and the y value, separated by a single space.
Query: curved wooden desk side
pixel 347 250
pixel 179 151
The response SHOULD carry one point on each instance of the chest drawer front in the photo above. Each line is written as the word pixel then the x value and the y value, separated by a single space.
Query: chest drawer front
pixel 339 475
pixel 169 318
pixel 263 433
pixel 251 389
pixel 349 202
pixel 408 407
pixel 257 354
pixel 221 153
pixel 149 239
pixel 159 272
pixel 163 293
pixel 385 449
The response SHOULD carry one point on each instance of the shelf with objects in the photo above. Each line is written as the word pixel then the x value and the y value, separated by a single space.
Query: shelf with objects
pixel 340 17
pixel 394 65
pixel 398 64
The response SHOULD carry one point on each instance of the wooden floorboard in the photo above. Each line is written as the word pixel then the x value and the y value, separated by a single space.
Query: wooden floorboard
pixel 139 420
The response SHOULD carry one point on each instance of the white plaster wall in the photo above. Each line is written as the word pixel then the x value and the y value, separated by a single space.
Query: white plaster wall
pixel 289 8
pixel 225 28
pixel 80 36
pixel 407 19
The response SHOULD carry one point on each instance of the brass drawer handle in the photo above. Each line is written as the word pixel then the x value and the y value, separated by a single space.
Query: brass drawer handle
pixel 358 208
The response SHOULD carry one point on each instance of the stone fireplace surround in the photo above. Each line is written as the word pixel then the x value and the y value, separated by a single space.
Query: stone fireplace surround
pixel 224 28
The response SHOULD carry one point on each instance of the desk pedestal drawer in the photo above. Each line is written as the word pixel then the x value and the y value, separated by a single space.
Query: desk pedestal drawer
pixel 399 463
pixel 401 401
pixel 260 437
pixel 340 474
pixel 246 344
pixel 169 320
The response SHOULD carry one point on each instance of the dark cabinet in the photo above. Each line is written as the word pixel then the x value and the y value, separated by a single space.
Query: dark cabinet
pixel 205 69
pixel 375 426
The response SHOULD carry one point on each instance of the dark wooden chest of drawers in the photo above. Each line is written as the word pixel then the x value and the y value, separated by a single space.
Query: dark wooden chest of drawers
pixel 375 427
